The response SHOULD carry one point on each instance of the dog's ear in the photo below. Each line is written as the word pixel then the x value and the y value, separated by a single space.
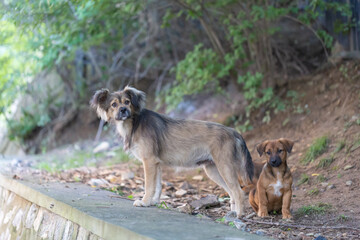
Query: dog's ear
pixel 99 103
pixel 137 98
pixel 288 144
pixel 261 147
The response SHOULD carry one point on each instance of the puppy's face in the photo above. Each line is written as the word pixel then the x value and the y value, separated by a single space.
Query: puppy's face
pixel 276 151
pixel 118 106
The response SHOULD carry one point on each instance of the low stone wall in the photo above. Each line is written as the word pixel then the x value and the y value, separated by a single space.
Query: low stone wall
pixel 21 219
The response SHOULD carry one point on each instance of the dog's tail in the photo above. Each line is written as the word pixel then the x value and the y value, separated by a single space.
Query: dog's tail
pixel 246 173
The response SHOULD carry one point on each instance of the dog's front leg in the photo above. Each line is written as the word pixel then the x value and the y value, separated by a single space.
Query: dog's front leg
pixel 286 204
pixel 156 198
pixel 263 201
pixel 150 169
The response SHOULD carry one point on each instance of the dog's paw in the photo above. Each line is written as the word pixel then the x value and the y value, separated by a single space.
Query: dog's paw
pixel 141 203
pixel 154 202
pixel 263 214
pixel 287 216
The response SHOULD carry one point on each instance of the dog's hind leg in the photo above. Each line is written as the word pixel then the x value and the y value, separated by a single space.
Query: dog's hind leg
pixel 151 175
pixel 229 174
pixel 213 173
pixel 156 198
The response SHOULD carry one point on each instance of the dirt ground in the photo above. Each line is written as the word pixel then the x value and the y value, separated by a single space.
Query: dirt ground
pixel 328 105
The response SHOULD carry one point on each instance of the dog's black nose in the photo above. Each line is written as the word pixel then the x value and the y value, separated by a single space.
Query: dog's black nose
pixel 123 109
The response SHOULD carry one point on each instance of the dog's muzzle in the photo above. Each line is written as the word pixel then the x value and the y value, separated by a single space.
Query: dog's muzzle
pixel 123 114
pixel 275 161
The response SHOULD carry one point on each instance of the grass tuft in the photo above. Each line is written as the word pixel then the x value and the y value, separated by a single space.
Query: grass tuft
pixel 313 192
pixel 321 178
pixel 304 179
pixel 340 145
pixel 326 162
pixel 320 208
pixel 318 147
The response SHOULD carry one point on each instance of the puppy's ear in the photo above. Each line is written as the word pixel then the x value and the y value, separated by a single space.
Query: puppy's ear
pixel 137 98
pixel 261 147
pixel 99 103
pixel 288 144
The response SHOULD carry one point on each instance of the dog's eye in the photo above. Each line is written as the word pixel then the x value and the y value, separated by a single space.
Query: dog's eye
pixel 114 105
pixel 127 102
pixel 280 151
pixel 268 152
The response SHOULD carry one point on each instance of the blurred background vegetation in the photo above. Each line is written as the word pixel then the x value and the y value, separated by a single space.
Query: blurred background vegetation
pixel 55 53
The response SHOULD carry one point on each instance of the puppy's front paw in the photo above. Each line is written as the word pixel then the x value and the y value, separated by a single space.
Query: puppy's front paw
pixel 287 216
pixel 141 203
pixel 263 214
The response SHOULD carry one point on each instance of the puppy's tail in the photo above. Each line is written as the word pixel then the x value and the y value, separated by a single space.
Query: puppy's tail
pixel 246 173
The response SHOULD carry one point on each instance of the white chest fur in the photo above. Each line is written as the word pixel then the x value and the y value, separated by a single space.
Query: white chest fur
pixel 277 187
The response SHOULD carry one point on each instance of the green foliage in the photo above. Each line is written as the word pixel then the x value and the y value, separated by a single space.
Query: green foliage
pixel 25 126
pixel 163 205
pixel 117 190
pixel 17 65
pixel 313 192
pixel 200 68
pixel 303 179
pixel 321 178
pixel 326 162
pixel 340 145
pixel 342 218
pixel 318 147
pixel 75 160
pixel 320 208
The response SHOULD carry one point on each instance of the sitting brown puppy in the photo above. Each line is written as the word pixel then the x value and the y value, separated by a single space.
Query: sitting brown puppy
pixel 273 189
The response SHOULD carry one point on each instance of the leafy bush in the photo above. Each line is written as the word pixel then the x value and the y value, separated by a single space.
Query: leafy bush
pixel 200 68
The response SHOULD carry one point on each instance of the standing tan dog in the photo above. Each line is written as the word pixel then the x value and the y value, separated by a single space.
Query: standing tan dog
pixel 158 140
pixel 273 189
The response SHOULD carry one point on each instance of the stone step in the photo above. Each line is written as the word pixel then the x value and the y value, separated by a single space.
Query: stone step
pixel 29 210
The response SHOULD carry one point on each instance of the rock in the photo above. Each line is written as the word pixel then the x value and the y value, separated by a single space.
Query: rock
pixel 260 232
pixel 16 163
pixel 112 178
pixel 127 175
pixel 102 147
pixel 185 185
pixel 251 215
pixel 208 201
pixel 240 224
pixel 324 184
pixel 281 236
pixel 185 208
pixel 18 219
pixel 331 186
pixel 320 238
pixel 83 233
pixel 349 183
pixel 164 197
pixel 31 215
pixel 230 217
pixel 310 234
pixel 110 154
pixel 98 182
pixel 347 167
pixel 198 178
pixel 180 193
pixel 168 184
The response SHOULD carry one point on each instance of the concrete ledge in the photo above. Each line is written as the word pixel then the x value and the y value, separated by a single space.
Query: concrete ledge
pixel 103 216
